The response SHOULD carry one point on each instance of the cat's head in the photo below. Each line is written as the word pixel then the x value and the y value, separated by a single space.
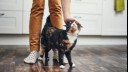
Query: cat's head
pixel 73 27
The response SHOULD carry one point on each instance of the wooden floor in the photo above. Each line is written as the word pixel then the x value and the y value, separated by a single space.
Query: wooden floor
pixel 86 58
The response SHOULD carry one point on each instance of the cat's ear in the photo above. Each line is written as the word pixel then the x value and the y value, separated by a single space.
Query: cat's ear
pixel 79 25
pixel 65 25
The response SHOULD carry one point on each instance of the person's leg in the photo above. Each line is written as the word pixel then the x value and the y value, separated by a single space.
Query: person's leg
pixel 36 24
pixel 55 10
pixel 56 13
pixel 35 29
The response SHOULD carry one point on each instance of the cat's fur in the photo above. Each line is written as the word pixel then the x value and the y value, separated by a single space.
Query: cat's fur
pixel 63 40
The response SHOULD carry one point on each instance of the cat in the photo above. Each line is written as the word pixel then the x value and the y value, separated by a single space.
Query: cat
pixel 62 40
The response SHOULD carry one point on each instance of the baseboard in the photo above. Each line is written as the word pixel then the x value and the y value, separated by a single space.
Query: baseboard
pixel 82 40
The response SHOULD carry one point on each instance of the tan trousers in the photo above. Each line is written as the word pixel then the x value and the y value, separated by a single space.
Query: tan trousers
pixel 36 15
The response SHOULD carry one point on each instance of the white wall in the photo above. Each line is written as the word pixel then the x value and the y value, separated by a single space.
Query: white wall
pixel 113 23
pixel 102 27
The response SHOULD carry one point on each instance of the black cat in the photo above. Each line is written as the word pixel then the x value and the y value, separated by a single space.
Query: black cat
pixel 62 40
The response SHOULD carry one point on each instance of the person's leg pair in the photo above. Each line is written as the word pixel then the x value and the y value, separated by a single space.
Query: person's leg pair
pixel 36 15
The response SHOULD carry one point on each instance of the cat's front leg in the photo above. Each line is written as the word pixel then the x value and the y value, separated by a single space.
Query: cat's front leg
pixel 68 55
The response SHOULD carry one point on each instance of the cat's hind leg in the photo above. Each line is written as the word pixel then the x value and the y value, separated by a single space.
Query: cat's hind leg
pixel 46 53
pixel 41 52
pixel 61 57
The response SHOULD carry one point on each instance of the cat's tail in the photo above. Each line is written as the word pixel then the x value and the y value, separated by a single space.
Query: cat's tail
pixel 48 22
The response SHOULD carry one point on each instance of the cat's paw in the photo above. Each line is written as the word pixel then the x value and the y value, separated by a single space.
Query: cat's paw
pixel 40 58
pixel 62 66
pixel 73 65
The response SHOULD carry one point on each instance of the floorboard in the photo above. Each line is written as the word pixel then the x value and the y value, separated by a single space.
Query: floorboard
pixel 86 58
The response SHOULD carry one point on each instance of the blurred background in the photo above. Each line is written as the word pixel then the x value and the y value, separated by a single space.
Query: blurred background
pixel 101 47
pixel 103 22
